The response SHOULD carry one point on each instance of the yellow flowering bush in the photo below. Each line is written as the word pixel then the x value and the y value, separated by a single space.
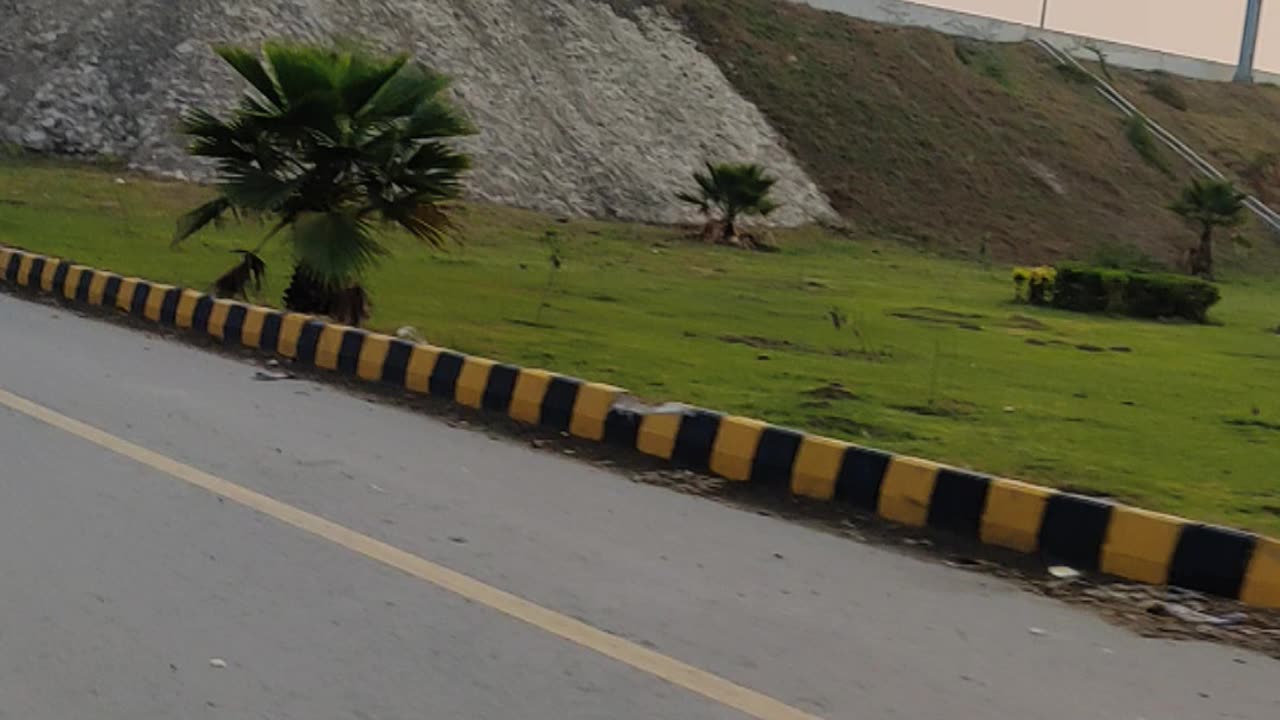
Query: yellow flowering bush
pixel 1034 284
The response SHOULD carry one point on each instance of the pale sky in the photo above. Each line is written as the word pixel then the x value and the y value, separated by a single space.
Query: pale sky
pixel 1200 28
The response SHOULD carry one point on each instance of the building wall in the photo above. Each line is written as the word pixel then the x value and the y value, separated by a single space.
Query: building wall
pixel 898 12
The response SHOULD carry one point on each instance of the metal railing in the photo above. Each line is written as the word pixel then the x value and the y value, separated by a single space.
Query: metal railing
pixel 1264 212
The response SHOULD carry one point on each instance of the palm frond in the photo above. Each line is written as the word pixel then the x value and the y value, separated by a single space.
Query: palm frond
pixel 362 78
pixel 431 174
pixel 200 218
pixel 709 182
pixel 436 119
pixel 252 70
pixel 697 200
pixel 252 188
pixel 213 138
pixel 318 115
pixel 437 158
pixel 404 93
pixel 1212 203
pixel 251 106
pixel 425 221
pixel 733 189
pixel 337 246
pixel 301 71
pixel 201 123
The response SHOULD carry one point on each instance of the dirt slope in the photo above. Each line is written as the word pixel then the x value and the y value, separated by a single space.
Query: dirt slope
pixel 959 146
pixel 1236 127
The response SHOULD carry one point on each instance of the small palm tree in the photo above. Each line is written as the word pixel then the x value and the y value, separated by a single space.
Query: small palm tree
pixel 325 143
pixel 731 190
pixel 1206 205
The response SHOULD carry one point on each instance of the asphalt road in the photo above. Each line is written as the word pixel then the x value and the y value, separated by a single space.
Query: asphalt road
pixel 161 509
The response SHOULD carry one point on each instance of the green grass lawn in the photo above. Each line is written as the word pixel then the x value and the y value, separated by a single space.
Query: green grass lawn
pixel 934 359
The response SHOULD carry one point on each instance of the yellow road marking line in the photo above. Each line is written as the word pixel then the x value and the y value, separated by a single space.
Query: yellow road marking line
pixel 706 684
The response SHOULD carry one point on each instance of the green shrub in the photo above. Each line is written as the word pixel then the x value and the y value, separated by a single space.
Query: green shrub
pixel 984 58
pixel 1137 294
pixel 1119 255
pixel 1163 89
pixel 1144 142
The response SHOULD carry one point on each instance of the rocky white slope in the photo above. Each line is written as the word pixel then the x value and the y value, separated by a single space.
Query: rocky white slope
pixel 585 106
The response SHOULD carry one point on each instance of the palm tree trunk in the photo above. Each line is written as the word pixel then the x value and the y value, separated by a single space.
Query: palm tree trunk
pixel 1203 260
pixel 307 293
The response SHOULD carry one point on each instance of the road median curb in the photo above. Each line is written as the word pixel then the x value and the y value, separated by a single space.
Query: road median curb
pixel 1086 533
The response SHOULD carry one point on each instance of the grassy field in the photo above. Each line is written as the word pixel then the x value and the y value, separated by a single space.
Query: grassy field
pixel 934 358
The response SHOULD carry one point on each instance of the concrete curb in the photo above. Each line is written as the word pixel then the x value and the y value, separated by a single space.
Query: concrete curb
pixel 1086 533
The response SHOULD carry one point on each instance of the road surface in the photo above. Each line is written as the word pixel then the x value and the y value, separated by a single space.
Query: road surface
pixel 163 513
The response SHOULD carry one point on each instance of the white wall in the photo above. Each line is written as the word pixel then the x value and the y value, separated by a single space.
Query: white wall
pixel 898 12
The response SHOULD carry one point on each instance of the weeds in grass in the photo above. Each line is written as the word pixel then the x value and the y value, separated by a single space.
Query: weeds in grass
pixel 1255 424
pixel 984 59
pixel 1144 142
pixel 555 260
pixel 942 408
pixel 866 346
pixel 127 229
pixel 1262 173
pixel 839 318
pixel 1162 89
pixel 935 367
pixel 1074 73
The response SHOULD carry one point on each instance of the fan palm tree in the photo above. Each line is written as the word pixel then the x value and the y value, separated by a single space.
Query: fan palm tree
pixel 731 190
pixel 1207 205
pixel 326 143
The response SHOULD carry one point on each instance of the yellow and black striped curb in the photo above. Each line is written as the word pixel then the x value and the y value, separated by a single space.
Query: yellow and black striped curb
pixel 1086 533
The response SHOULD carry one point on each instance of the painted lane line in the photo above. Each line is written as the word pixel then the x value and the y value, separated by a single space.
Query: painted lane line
pixel 702 682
